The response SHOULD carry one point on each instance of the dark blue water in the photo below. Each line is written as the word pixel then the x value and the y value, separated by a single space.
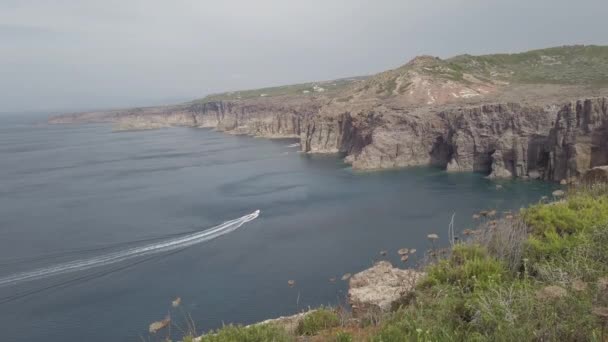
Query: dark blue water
pixel 75 192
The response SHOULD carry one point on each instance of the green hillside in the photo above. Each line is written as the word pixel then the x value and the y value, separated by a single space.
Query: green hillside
pixel 577 64
pixel 327 88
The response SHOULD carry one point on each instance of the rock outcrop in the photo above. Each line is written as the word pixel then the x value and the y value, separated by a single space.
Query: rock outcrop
pixel 378 288
pixel 579 139
pixel 598 174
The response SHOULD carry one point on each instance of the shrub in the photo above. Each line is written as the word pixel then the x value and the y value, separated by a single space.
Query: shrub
pixel 318 320
pixel 565 234
pixel 343 336
pixel 579 212
pixel 469 267
pixel 505 241
pixel 254 333
pixel 515 312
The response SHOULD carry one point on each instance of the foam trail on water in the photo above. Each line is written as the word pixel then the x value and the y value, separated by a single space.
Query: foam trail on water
pixel 112 258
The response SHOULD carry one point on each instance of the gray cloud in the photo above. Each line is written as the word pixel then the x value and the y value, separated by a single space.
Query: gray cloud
pixel 93 54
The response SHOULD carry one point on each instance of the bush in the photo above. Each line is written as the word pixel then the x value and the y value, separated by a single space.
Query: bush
pixel 316 321
pixel 343 336
pixel 254 333
pixel 469 267
pixel 567 236
pixel 579 212
pixel 516 312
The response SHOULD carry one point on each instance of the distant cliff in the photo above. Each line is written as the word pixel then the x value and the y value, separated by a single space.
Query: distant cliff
pixel 540 114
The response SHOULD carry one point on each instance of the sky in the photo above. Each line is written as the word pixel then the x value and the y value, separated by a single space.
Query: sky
pixel 84 54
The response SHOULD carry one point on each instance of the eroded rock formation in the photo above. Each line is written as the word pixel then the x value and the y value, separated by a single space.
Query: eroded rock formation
pixel 579 139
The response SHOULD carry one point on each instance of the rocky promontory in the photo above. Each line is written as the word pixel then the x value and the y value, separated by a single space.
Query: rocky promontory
pixel 540 114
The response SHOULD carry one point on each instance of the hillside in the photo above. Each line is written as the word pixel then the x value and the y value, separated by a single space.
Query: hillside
pixel 577 64
pixel 428 80
pixel 504 115
pixel 327 88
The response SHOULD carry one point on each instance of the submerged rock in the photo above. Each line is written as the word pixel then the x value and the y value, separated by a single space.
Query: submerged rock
pixel 176 302
pixel 432 236
pixel 156 326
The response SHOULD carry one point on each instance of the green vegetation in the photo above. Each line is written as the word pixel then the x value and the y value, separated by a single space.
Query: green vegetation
pixel 254 333
pixel 566 65
pixel 469 267
pixel 560 281
pixel 539 276
pixel 342 336
pixel 327 88
pixel 577 64
pixel 318 320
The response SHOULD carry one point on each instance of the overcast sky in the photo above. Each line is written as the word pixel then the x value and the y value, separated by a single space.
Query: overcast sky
pixel 79 54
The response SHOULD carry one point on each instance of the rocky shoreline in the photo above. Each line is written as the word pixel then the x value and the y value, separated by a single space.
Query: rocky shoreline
pixel 552 142
pixel 463 114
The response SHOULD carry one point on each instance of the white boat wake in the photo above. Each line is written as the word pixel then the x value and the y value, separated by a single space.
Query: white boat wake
pixel 112 258
pixel 294 145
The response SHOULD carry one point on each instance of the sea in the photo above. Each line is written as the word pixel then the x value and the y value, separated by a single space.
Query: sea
pixel 101 231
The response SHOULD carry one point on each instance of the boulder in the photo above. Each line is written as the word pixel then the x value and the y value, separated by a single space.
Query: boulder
pixel 598 174
pixel 379 287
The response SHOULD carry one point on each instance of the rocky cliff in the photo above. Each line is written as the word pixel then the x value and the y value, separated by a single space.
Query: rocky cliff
pixel 578 140
pixel 482 114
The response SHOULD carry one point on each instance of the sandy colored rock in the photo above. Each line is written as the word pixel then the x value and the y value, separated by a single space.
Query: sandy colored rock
pixel 156 326
pixel 176 302
pixel 378 287
pixel 598 174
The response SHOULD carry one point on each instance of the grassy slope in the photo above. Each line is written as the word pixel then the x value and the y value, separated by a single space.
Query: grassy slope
pixel 559 65
pixel 542 275
pixel 566 65
pixel 331 88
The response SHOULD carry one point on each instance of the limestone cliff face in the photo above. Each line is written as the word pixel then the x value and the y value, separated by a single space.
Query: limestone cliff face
pixel 270 119
pixel 345 133
pixel 578 140
pixel 550 142
pixel 263 118
pixel 502 140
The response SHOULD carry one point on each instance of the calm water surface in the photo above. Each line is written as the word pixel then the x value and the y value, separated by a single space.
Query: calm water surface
pixel 70 193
